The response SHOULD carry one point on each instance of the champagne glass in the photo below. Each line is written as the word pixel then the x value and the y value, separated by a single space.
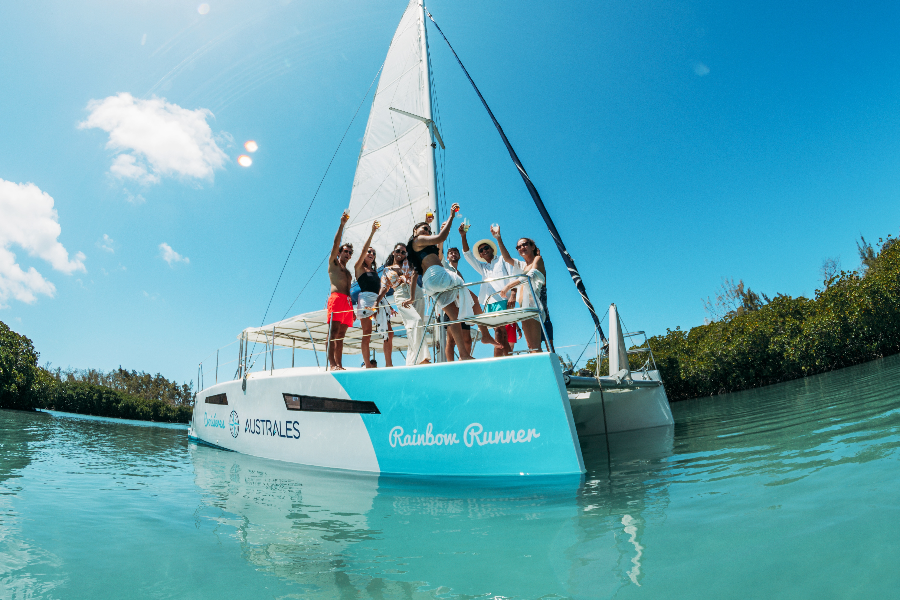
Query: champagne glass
pixel 377 225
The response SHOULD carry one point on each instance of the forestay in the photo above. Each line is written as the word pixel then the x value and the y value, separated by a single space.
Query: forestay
pixel 395 180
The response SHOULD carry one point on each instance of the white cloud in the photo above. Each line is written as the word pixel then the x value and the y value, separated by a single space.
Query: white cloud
pixel 28 220
pixel 131 198
pixel 700 69
pixel 170 256
pixel 126 166
pixel 154 138
pixel 106 243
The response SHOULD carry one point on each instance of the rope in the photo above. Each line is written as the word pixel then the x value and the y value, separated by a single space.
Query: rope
pixel 551 227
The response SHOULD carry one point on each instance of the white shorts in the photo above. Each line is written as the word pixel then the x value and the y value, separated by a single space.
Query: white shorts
pixel 443 287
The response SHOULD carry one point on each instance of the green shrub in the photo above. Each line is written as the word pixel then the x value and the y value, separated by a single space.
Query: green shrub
pixel 854 319
pixel 18 370
pixel 90 399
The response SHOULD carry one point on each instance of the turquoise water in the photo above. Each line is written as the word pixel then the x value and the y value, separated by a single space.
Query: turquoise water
pixel 788 491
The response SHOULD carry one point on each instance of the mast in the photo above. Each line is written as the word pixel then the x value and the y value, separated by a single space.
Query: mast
pixel 426 86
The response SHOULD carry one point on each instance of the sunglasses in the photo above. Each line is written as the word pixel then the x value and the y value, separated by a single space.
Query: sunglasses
pixel 372 252
pixel 523 245
pixel 402 252
pixel 483 249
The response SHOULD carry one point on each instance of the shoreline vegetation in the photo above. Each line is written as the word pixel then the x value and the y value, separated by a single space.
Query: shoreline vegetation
pixel 121 393
pixel 752 341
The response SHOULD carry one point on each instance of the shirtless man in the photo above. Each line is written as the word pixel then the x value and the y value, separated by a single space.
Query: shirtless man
pixel 339 308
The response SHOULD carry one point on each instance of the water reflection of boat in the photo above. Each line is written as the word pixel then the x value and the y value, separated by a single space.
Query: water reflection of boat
pixel 501 416
pixel 379 536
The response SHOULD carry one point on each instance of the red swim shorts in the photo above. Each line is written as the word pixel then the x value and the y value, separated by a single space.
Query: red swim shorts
pixel 339 305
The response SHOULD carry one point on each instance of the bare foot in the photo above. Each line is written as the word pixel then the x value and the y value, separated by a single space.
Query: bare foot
pixel 468 357
pixel 487 338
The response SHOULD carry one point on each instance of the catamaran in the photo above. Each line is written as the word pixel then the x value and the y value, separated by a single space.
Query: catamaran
pixel 513 415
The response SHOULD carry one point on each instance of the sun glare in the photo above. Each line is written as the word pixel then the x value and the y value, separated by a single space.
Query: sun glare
pixel 244 160
pixel 251 146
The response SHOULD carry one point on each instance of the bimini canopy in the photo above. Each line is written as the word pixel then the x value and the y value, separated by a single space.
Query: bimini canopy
pixel 309 331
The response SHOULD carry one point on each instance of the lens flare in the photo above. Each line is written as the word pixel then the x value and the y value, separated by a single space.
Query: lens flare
pixel 251 146
pixel 203 8
pixel 244 160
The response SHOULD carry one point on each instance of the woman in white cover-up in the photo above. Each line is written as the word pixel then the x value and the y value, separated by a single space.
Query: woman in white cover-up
pixel 442 285
pixel 532 265
pixel 398 276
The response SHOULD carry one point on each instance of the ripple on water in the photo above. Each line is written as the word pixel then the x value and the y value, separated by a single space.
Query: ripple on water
pixel 785 490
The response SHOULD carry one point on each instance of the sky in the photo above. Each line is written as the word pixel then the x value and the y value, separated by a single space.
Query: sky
pixel 674 144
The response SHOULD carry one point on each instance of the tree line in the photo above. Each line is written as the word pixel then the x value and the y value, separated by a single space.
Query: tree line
pixel 753 340
pixel 120 393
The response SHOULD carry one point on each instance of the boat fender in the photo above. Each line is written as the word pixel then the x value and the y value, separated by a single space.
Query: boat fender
pixel 244 383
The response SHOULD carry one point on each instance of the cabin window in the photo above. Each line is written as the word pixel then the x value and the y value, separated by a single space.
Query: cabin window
pixel 217 399
pixel 316 404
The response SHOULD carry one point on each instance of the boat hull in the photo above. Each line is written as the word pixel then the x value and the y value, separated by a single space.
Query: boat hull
pixel 492 417
pixel 622 408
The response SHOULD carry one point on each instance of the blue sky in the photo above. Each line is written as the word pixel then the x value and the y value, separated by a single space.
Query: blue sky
pixel 674 144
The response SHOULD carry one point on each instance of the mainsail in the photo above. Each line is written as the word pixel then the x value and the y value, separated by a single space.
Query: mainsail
pixel 395 179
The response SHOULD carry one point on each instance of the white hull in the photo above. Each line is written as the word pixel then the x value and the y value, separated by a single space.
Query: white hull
pixel 621 408
pixel 493 417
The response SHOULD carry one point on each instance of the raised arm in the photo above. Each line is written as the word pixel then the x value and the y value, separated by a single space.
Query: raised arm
pixel 362 254
pixel 432 240
pixel 495 231
pixel 337 237
pixel 462 234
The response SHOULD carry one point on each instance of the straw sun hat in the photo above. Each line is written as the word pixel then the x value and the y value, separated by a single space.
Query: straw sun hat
pixel 481 243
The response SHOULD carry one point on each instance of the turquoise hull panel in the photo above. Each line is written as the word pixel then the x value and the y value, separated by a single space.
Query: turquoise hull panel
pixel 508 416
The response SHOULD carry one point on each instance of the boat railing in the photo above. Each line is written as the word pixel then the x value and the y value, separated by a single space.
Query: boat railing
pixel 499 317
pixel 272 337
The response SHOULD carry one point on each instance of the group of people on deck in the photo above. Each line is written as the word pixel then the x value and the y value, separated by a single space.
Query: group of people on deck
pixel 419 267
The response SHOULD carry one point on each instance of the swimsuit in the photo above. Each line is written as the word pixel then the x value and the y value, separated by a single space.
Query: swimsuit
pixel 369 282
pixel 369 286
pixel 426 251
pixel 340 307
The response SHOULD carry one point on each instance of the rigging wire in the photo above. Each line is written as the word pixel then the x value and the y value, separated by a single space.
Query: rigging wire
pixel 532 190
pixel 441 188
pixel 593 336
pixel 304 287
pixel 315 195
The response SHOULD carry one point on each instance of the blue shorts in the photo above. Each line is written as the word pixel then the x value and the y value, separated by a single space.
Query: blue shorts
pixel 495 306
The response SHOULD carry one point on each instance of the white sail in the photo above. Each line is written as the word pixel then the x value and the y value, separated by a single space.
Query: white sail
pixel 395 180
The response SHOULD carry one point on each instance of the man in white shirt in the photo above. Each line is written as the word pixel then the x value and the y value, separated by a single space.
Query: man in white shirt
pixel 489 265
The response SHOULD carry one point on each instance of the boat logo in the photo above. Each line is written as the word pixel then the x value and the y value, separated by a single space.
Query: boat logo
pixel 235 424
pixel 213 421
pixel 474 434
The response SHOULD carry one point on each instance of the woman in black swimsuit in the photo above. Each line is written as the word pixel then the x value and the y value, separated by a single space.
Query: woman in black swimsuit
pixel 369 285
